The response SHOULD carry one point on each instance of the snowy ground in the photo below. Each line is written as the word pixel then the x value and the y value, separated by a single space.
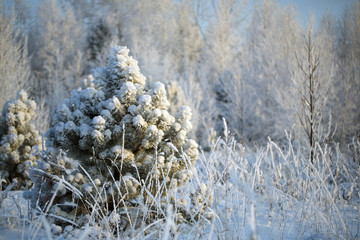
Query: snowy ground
pixel 265 195
pixel 267 223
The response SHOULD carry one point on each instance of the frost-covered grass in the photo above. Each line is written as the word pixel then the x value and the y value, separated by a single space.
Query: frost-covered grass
pixel 273 193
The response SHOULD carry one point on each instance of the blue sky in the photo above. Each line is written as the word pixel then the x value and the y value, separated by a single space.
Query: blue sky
pixel 303 7
pixel 317 7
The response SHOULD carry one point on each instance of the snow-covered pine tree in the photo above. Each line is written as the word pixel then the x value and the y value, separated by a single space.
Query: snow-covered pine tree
pixel 18 139
pixel 118 136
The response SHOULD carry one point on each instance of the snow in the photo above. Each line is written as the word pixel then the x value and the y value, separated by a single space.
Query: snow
pixel 127 91
pixel 88 82
pixel 158 88
pixel 145 100
pixel 107 115
pixel 183 114
pixel 187 126
pixel 139 122
pixel 98 121
pixel 87 187
pixel 122 65
pixel 230 193
pixel 177 127
pixel 133 70
pixel 22 95
pixel 96 134
pixel 78 114
pixel 70 126
pixel 133 110
pixel 156 113
pixel 97 182
pixel 152 129
pixel 113 104
pixel 84 130
pixel 119 50
pixel 20 116
pixel 107 134
pixel 167 117
pixel 98 75
pixel 78 177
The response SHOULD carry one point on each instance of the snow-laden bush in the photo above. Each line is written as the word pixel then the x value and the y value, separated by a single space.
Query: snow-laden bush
pixel 18 139
pixel 124 142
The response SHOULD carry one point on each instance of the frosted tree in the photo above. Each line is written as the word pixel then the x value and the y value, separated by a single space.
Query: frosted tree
pixel 312 87
pixel 57 45
pixel 187 42
pixel 220 56
pixel 14 62
pixel 120 136
pixel 19 140
pixel 345 99
pixel 273 36
pixel 98 38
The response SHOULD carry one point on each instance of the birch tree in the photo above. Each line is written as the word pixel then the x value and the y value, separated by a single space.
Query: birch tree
pixel 312 89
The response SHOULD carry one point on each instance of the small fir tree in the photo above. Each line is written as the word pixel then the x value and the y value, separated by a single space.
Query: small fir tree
pixel 122 137
pixel 19 139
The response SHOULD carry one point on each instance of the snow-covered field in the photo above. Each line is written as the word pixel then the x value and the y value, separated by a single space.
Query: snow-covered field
pixel 183 137
pixel 268 194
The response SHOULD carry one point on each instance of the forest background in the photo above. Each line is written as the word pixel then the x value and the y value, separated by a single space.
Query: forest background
pixel 236 60
pixel 275 102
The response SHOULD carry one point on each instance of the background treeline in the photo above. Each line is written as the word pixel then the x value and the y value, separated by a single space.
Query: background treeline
pixel 251 63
